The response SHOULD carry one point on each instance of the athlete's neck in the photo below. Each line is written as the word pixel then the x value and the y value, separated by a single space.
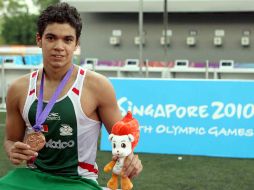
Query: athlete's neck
pixel 55 74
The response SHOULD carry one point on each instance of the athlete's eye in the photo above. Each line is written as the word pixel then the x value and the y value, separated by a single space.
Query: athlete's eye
pixel 69 40
pixel 114 145
pixel 50 37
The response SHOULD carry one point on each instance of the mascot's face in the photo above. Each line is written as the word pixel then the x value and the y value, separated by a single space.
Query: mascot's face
pixel 121 145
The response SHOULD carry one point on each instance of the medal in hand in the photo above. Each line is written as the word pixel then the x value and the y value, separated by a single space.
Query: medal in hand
pixel 36 140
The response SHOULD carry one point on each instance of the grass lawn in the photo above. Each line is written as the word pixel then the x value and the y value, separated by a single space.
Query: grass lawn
pixel 166 172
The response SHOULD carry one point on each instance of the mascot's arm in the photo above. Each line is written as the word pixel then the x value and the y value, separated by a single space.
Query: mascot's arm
pixel 109 166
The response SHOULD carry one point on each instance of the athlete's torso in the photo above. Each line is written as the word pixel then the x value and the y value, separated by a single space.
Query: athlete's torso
pixel 71 137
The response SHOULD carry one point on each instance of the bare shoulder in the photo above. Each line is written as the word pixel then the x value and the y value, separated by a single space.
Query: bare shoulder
pixel 102 94
pixel 17 90
pixel 98 83
pixel 20 84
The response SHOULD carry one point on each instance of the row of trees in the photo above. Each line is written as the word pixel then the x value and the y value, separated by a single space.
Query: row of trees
pixel 17 24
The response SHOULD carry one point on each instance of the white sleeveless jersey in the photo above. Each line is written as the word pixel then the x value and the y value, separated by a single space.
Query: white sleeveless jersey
pixel 71 137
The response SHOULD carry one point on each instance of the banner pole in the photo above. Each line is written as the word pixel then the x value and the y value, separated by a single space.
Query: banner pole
pixel 3 106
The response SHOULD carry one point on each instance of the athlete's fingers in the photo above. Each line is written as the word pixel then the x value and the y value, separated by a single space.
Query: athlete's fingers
pixel 132 166
pixel 21 145
pixel 25 152
pixel 21 157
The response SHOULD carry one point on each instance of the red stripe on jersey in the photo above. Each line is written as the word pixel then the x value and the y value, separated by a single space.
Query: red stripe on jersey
pixel 45 128
pixel 88 167
pixel 82 72
pixel 76 91
pixel 34 74
pixel 31 92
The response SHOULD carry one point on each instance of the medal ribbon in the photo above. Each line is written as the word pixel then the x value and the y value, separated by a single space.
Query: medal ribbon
pixel 42 115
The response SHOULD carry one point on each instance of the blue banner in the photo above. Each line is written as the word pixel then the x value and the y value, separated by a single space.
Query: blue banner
pixel 189 117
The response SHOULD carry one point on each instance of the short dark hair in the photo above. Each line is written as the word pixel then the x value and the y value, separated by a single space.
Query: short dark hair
pixel 60 13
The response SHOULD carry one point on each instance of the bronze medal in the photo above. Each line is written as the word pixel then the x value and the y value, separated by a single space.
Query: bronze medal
pixel 36 140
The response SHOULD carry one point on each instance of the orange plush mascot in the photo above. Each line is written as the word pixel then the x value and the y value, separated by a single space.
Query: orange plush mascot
pixel 124 137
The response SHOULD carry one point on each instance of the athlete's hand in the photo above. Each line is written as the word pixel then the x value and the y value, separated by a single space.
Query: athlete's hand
pixel 132 166
pixel 20 152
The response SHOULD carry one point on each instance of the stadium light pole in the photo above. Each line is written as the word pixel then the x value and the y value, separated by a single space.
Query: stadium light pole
pixel 165 24
pixel 141 36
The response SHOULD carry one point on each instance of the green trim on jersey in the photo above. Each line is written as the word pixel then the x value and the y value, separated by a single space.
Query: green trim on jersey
pixel 59 155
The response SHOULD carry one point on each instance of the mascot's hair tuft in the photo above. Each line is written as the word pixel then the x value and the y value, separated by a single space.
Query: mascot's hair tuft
pixel 128 125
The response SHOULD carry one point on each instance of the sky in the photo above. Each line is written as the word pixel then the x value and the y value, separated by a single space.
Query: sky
pixel 31 7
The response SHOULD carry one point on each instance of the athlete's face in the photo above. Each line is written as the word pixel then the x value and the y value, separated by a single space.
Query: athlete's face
pixel 58 44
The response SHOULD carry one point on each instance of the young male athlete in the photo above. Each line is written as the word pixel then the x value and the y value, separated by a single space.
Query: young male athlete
pixel 54 115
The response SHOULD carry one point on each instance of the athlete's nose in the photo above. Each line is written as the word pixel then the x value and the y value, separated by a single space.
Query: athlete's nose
pixel 59 45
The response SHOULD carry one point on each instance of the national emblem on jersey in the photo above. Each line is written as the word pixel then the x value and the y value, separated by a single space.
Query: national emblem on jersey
pixel 65 130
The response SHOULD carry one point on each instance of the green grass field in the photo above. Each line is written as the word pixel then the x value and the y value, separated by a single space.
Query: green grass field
pixel 166 172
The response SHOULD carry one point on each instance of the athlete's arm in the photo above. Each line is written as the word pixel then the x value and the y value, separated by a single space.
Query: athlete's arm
pixel 107 104
pixel 16 150
pixel 109 113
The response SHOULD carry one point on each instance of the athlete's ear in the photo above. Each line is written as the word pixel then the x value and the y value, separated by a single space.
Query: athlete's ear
pixel 38 40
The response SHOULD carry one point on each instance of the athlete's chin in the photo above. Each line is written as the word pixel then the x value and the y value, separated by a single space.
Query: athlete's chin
pixel 57 64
